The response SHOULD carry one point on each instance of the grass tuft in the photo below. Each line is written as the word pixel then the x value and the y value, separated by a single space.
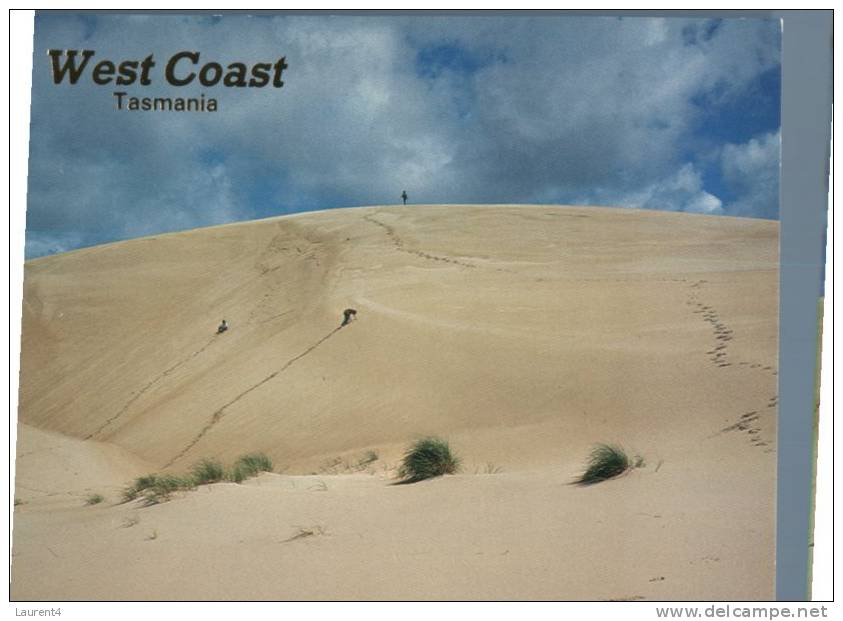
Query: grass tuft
pixel 94 499
pixel 248 466
pixel 427 458
pixel 140 484
pixel 605 462
pixel 164 486
pixel 367 458
pixel 156 488
pixel 488 468
pixel 207 471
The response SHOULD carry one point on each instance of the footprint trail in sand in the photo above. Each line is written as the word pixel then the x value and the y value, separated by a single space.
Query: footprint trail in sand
pixel 399 245
pixel 749 422
pixel 218 414
pixel 152 383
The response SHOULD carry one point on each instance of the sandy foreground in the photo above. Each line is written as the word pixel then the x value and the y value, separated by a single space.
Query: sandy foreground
pixel 521 334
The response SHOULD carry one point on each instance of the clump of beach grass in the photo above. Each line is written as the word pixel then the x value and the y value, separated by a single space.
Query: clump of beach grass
pixel 207 471
pixel 94 499
pixel 138 486
pixel 367 458
pixel 164 486
pixel 156 488
pixel 427 458
pixel 248 466
pixel 606 461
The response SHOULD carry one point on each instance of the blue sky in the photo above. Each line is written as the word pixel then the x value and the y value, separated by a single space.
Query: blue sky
pixel 656 113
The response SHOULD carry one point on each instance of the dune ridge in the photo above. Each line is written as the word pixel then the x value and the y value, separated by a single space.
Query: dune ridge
pixel 522 334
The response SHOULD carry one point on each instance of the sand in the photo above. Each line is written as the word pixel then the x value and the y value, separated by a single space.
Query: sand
pixel 521 334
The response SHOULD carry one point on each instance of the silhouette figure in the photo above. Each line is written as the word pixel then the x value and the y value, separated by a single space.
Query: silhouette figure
pixel 348 315
pixel 404 196
pixel 222 327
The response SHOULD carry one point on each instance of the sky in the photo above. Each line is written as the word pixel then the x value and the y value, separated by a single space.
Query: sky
pixel 655 113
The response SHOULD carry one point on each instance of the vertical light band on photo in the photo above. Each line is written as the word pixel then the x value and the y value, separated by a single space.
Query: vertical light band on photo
pixel 806 132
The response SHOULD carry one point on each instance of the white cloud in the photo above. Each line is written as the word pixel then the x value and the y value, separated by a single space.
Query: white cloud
pixel 705 203
pixel 752 169
pixel 682 191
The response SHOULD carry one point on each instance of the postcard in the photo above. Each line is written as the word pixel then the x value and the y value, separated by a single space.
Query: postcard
pixel 400 307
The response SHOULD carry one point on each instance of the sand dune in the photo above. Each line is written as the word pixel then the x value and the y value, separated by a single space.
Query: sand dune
pixel 521 334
